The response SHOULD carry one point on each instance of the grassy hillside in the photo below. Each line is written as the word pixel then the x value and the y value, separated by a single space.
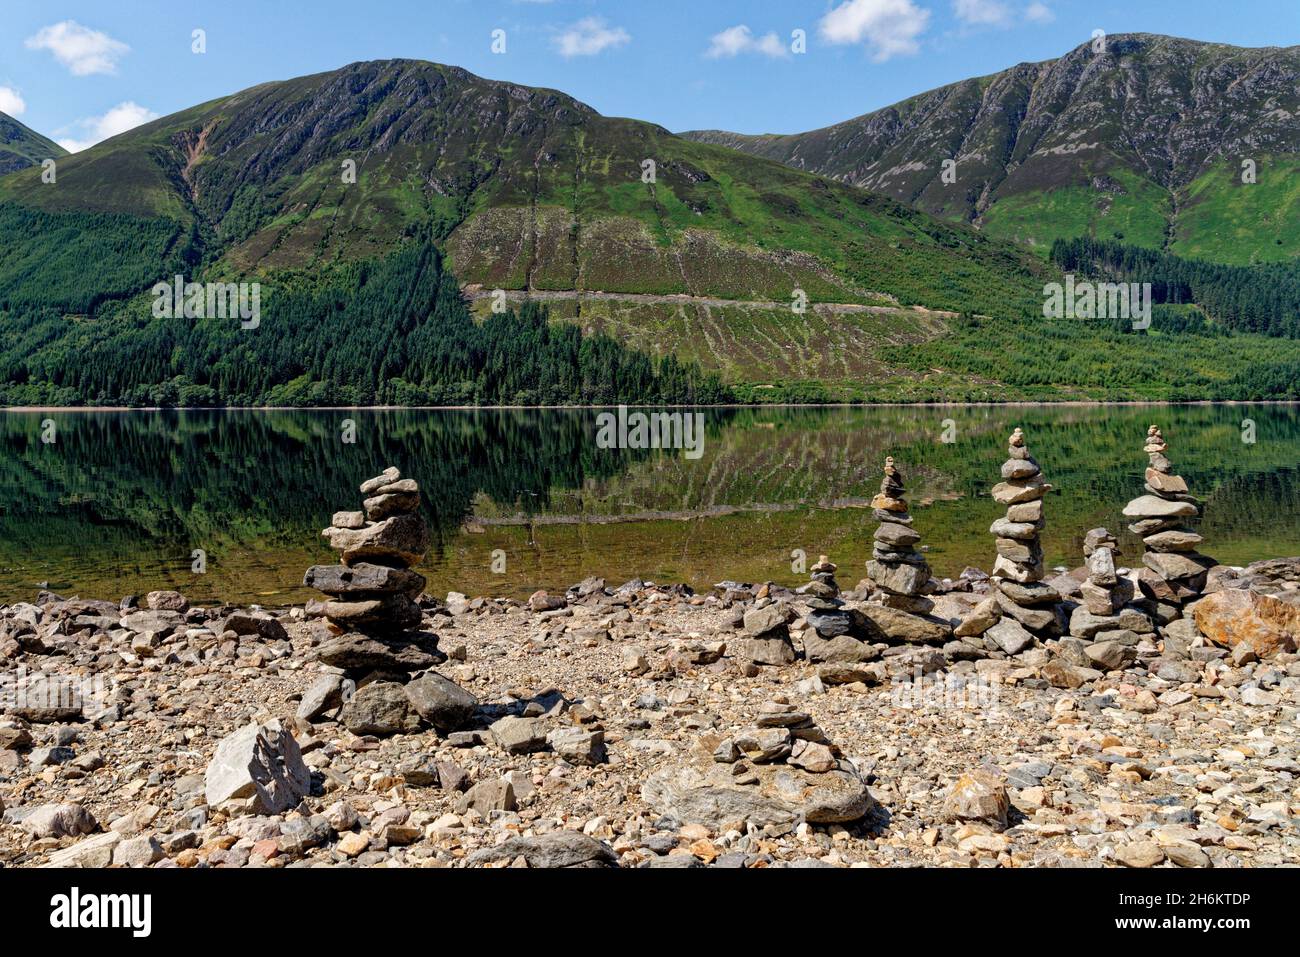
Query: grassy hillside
pixel 21 147
pixel 1142 142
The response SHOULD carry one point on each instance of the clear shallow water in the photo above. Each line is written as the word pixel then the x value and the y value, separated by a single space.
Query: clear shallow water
pixel 117 504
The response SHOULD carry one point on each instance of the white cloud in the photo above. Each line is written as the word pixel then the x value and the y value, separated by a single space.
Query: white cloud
pixel 119 119
pixel 80 49
pixel 981 12
pixel 590 36
pixel 736 40
pixel 1039 13
pixel 887 27
pixel 11 101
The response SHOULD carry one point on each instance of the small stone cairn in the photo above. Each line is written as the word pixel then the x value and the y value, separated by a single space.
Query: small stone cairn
pixel 1104 592
pixel 377 652
pixel 1175 572
pixel 826 613
pixel 897 568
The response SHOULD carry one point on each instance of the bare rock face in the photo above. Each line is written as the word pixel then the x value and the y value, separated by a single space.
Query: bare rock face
pixel 259 767
pixel 702 790
pixel 1267 624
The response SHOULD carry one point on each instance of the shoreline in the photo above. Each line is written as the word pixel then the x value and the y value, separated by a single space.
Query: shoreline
pixel 1064 403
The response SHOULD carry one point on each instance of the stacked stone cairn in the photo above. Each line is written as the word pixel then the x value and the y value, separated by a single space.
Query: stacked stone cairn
pixel 1175 572
pixel 1025 603
pixel 378 661
pixel 896 568
pixel 835 633
pixel 1104 629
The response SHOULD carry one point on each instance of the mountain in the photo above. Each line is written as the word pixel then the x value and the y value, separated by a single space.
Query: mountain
pixel 387 207
pixel 21 147
pixel 522 189
pixel 1143 143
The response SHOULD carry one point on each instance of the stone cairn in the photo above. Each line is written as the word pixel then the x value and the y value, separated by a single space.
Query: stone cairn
pixel 1104 592
pixel 373 609
pixel 896 568
pixel 1175 572
pixel 1027 603
pixel 826 613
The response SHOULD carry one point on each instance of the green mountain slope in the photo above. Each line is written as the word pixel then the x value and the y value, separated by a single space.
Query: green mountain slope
pixel 1143 143
pixel 21 147
pixel 491 186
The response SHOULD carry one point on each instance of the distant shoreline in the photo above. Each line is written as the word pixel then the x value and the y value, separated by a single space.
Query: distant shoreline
pixel 1065 403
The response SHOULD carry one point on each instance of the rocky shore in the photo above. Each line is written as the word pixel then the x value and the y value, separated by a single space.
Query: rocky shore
pixel 1102 715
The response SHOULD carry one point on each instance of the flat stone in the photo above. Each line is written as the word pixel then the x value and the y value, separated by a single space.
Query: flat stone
pixel 1029 593
pixel 364 578
pixel 1020 468
pixel 842 649
pixel 1017 572
pixel 980 619
pixel 354 651
pixel 578 746
pixel 1173 566
pixel 557 849
pixel 495 794
pixel 348 520
pixel 763 651
pixel 1173 540
pixel 1151 506
pixel 388 504
pixel 702 791
pixel 322 695
pixel 1031 512
pixel 387 614
pixel 1020 490
pixel 1022 531
pixel 898 536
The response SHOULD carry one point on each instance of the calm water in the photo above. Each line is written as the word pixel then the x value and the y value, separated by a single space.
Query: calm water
pixel 119 501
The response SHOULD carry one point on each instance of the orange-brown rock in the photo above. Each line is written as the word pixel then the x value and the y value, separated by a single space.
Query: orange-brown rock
pixel 1268 625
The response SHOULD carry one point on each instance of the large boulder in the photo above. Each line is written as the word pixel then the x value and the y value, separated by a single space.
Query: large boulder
pixel 440 701
pixel 902 626
pixel 1267 624
pixel 704 791
pixel 259 769
pixel 380 708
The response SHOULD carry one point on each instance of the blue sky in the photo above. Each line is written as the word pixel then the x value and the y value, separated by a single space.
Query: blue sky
pixel 79 71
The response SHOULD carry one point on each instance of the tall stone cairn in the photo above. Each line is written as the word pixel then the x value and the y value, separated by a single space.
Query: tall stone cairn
pixel 374 589
pixel 379 676
pixel 1027 603
pixel 896 567
pixel 1175 572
